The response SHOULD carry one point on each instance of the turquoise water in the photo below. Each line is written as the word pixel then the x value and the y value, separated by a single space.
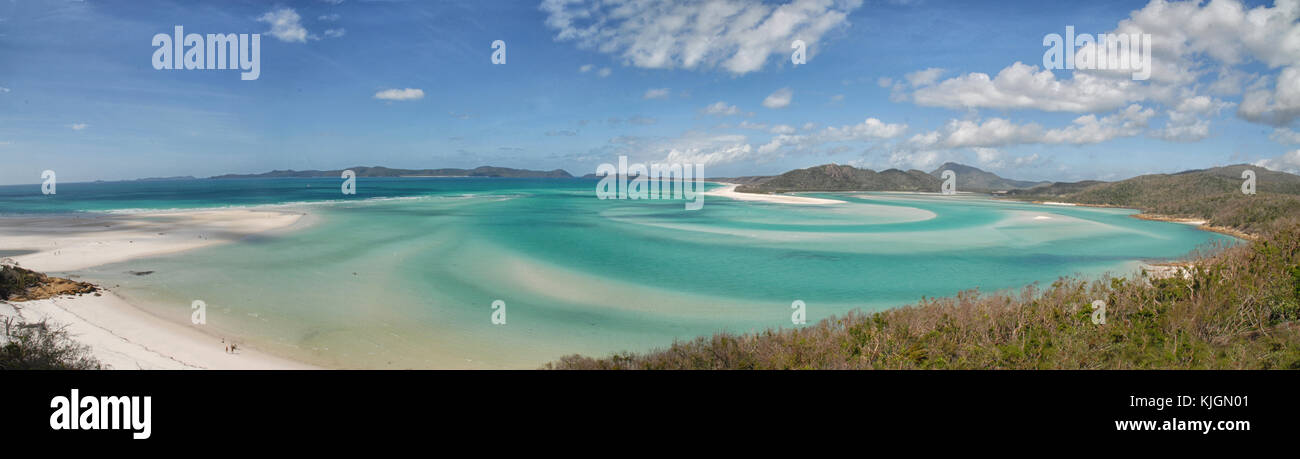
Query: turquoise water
pixel 408 282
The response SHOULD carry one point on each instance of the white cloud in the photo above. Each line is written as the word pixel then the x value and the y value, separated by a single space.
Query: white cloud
pixel 993 158
pixel 1195 45
pixel 1278 107
pixel 993 132
pixel 1289 162
pixel 286 25
pixel 1285 136
pixel 79 126
pixel 335 33
pixel 779 99
pixel 1089 129
pixel 721 108
pixel 1023 86
pixel 709 156
pixel 586 68
pixel 871 129
pixel 4 89
pixel 922 77
pixel 783 129
pixel 604 72
pixel 736 35
pixel 656 93
pixel 746 124
pixel 400 94
pixel 999 132
pixel 1187 121
pixel 328 17
pixel 690 147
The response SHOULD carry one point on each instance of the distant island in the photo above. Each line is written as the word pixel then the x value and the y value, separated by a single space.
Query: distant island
pixel 1213 195
pixel 380 171
pixel 835 177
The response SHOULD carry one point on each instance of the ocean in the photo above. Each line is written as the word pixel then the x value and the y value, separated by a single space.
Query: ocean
pixel 405 273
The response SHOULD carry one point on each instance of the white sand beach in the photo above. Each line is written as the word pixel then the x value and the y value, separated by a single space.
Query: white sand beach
pixel 123 337
pixel 64 243
pixel 729 191
pixel 120 335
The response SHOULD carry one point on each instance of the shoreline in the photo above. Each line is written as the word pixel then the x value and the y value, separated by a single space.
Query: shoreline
pixel 58 244
pixel 122 336
pixel 119 334
pixel 729 191
pixel 1200 223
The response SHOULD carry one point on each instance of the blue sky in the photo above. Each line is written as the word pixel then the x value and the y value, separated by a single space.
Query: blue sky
pixel 907 84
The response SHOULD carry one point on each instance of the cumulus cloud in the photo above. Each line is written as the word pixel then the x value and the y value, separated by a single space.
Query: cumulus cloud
pixel 919 77
pixel 869 130
pixel 1023 86
pixel 1279 106
pixel 400 94
pixel 999 132
pixel 1289 162
pixel 738 36
pixel 993 158
pixel 286 25
pixel 993 132
pixel 711 155
pixel 690 147
pixel 656 93
pixel 1187 121
pixel 79 126
pixel 1089 129
pixel 1285 136
pixel 1196 46
pixel 779 99
pixel 721 108
pixel 783 129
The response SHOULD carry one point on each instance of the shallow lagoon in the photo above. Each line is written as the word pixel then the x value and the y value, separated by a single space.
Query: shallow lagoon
pixel 404 274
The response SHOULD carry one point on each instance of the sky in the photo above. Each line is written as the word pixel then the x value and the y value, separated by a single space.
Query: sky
pixel 413 84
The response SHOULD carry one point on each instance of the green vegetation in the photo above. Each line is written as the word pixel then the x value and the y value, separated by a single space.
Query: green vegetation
pixel 38 346
pixel 973 179
pixel 1237 309
pixel 18 284
pixel 15 281
pixel 1211 194
pixel 832 177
